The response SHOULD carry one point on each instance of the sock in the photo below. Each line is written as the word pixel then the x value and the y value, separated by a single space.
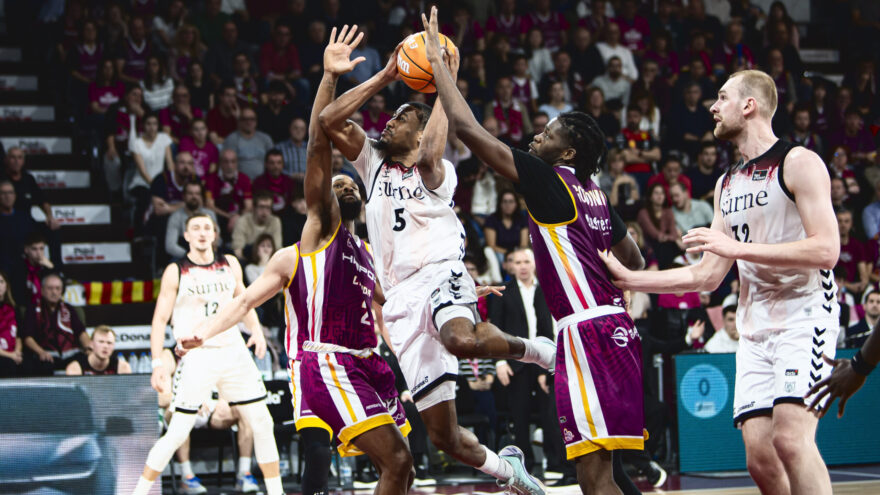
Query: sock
pixel 496 466
pixel 143 486
pixel 244 465
pixel 273 486
pixel 541 355
pixel 186 470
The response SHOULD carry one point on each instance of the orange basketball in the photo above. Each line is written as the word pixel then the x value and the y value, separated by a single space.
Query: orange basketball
pixel 413 65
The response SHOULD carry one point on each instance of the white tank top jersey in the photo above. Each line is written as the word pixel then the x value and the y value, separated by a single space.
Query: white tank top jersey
pixel 202 291
pixel 409 225
pixel 757 207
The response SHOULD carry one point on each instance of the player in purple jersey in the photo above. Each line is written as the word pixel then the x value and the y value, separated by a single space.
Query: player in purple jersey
pixel 344 382
pixel 598 362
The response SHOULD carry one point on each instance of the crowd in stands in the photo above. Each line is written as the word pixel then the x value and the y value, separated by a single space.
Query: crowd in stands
pixel 202 106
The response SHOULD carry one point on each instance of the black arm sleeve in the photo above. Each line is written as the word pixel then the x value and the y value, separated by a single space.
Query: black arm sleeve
pixel 547 197
pixel 618 228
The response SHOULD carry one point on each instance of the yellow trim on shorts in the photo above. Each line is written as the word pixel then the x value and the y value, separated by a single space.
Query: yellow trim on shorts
pixel 611 443
pixel 405 429
pixel 583 387
pixel 313 422
pixel 341 390
pixel 325 246
pixel 349 433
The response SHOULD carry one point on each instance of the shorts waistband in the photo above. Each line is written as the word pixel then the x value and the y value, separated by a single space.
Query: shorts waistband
pixel 326 348
pixel 588 314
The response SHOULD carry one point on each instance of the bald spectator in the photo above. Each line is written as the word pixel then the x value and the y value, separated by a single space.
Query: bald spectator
pixel 52 331
pixel 102 360
pixel 254 223
pixel 249 144
pixel 689 213
pixel 293 150
pixel 282 187
pixel 228 192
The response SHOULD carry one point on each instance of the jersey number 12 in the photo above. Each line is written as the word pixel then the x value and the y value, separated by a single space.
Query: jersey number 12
pixel 211 308
pixel 743 229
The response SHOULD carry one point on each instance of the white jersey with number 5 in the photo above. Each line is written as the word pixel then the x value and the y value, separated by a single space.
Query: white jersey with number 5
pixel 409 225
pixel 757 207
pixel 201 292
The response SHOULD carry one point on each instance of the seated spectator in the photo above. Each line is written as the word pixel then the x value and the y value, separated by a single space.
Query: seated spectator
pixel 101 361
pixel 253 223
pixel 728 339
pixel 840 198
pixel 311 51
pixel 572 81
pixel 186 49
pixel 247 90
pixel 167 23
pixel 27 192
pixel 220 59
pixel 620 187
pixel 696 20
pixel 464 88
pixel 540 59
pixel 658 224
pixel 662 54
pixel 556 103
pixel 539 122
pixel 228 192
pixel 638 149
pixel 513 118
pixel 151 152
pixel 499 59
pixel 634 29
pixel 524 88
pixel 52 331
pixel 200 94
pixel 10 343
pixel 205 154
pixel 17 227
pixel 293 218
pixel 847 302
pixel 689 123
pixel 733 55
pixel 279 58
pixel 158 86
pixel 780 38
pixel 855 137
pixel 177 118
pixel 264 248
pixel 193 203
pixel 610 47
pixel 705 175
pixel 166 193
pixel 507 228
pixel 375 116
pixel 117 126
pixel 34 266
pixel 131 56
pixel 106 90
pixel 293 150
pixel 595 16
pixel 859 332
pixel 507 24
pixel 635 231
pixel 211 22
pixel 373 62
pixel 689 213
pixel 650 122
pixel 282 187
pixel 614 86
pixel 223 118
pixel 786 89
pixel 275 116
pixel 552 24
pixel 853 256
pixel 595 107
pixel 249 144
pixel 669 174
pixel 871 215
pixel 85 60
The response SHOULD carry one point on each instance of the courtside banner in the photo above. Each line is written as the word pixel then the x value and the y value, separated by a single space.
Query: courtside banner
pixel 25 112
pixel 36 145
pixel 136 337
pixel 18 83
pixel 62 179
pixel 98 252
pixel 76 214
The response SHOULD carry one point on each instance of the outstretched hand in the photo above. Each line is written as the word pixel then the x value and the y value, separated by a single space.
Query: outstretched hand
pixel 485 290
pixel 338 50
pixel 712 241
pixel 843 382
pixel 432 37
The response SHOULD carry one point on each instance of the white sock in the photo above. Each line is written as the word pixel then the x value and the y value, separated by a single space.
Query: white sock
pixel 143 486
pixel 541 355
pixel 496 466
pixel 244 465
pixel 273 486
pixel 186 470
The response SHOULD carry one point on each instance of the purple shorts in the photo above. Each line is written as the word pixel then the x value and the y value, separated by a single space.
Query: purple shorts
pixel 303 416
pixel 351 394
pixel 599 385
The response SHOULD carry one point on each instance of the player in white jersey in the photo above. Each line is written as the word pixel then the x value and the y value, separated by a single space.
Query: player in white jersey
pixel 418 246
pixel 192 290
pixel 773 216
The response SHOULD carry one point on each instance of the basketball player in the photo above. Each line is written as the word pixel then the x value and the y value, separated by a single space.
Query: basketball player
pixel 418 244
pixel 192 290
pixel 847 378
pixel 101 360
pixel 773 216
pixel 598 385
pixel 328 281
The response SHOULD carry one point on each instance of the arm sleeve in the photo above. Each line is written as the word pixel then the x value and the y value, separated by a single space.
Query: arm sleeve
pixel 547 197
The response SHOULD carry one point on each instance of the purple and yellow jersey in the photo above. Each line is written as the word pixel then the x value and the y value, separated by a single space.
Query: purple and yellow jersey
pixel 569 269
pixel 329 295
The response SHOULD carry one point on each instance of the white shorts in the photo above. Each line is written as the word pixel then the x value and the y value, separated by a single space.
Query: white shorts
pixel 229 369
pixel 780 367
pixel 413 312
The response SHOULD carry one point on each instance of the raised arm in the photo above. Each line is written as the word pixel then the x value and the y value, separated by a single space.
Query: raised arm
pixel 433 144
pixel 492 151
pixel 345 134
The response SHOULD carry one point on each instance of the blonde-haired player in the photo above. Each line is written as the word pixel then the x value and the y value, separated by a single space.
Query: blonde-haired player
pixel 773 216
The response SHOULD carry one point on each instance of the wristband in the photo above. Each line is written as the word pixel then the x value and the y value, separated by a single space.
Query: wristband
pixel 860 366
pixel 156 363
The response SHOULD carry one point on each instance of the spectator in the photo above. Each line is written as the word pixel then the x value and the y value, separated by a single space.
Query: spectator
pixel 780 39
pixel 131 57
pixel 689 213
pixel 157 85
pixel 665 22
pixel 556 103
pixel 193 203
pixel 275 116
pixel 507 24
pixel 553 26
pixel 151 152
pixel 733 55
pixel 540 61
pixel 705 175
pixel 507 228
pixel 638 148
pixel 177 119
pixel 17 226
pixel 105 91
pixel 220 59
pixel 372 63
pixel 294 150
pixel 697 21
pixel 597 19
pixel 205 154
pixel 539 122
pixel 311 52
pixel 859 332
pixel 86 58
pixel 650 122
pixel 522 311
pixel 871 215
pixel 786 90
pixel 166 192
pixel 52 331
pixel 479 85
pixel 27 191
pixel 223 118
pixel 728 340
pixel 801 133
pixel 778 12
pixel 864 85
pixel 839 197
pixel 571 80
pixel 168 24
pixel 246 88
pixel 513 118
pixel 669 174
pixel 282 187
pixel 375 116
pixel 264 248
pixel 117 129
pixel 212 22
pixel 253 223
pixel 101 361
pixel 279 59
pixel 228 192
pixel 187 48
pixel 847 304
pixel 664 56
pixel 699 50
pixel 658 225
pixel 614 86
pixel 34 266
pixel 114 26
pixel 855 137
pixel 689 123
pixel 853 256
pixel 820 109
pixel 636 232
pixel 595 107
pixel 610 47
pixel 249 144
pixel 499 59
pixel 585 56
pixel 634 29
pixel 199 92
pixel 10 343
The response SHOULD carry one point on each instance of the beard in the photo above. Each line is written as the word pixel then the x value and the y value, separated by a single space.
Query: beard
pixel 192 205
pixel 349 209
pixel 725 132
pixel 382 144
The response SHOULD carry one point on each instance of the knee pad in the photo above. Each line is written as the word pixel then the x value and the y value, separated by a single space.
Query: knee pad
pixel 178 431
pixel 257 416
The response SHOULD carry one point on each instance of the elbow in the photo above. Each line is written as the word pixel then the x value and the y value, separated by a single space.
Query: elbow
pixel 325 118
pixel 636 263
pixel 829 257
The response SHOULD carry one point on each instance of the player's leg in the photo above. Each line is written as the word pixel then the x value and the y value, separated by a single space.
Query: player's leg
pixel 224 417
pixel 387 448
pixel 595 473
pixel 256 414
pixel 467 340
pixel 178 432
pixel 764 465
pixel 316 453
pixel 794 433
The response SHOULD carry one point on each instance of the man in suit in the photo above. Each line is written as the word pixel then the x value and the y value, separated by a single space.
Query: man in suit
pixel 523 312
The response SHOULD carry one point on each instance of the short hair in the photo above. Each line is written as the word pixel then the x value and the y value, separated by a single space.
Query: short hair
pixel 273 152
pixel 588 141
pixel 104 329
pixel 730 308
pixel 423 112
pixel 197 119
pixel 195 215
pixel 874 292
pixel 760 86
pixel 708 144
pixel 634 108
pixel 611 59
pixel 540 113
pixel 51 274
pixel 34 238
pixel 8 182
pixel 263 195
pixel 265 236
pixel 678 185
pixel 669 159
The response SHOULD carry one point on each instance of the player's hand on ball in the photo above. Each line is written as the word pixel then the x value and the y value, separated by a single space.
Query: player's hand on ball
pixel 258 341
pixel 712 241
pixel 338 50
pixel 485 290
pixel 389 73
pixel 452 61
pixel 843 382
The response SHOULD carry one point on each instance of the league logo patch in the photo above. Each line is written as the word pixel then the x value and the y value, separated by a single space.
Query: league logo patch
pixel 791 372
pixel 759 174
pixel 562 420
pixel 789 387
pixel 569 436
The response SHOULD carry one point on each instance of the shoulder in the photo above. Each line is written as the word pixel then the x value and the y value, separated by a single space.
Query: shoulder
pixel 232 261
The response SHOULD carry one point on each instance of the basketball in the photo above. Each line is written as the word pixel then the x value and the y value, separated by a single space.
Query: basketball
pixel 413 65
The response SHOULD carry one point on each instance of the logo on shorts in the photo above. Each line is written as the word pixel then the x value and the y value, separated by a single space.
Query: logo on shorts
pixel 435 293
pixel 569 436
pixel 789 387
pixel 621 336
pixel 374 406
pixel 562 420
pixel 744 407
pixel 422 383
pixel 791 372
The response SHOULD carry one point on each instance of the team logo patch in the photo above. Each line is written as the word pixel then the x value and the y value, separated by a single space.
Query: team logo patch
pixel 789 387
pixel 791 372
pixel 562 420
pixel 408 173
pixel 569 436
pixel 621 336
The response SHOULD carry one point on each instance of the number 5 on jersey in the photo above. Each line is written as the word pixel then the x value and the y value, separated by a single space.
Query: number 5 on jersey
pixel 399 221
